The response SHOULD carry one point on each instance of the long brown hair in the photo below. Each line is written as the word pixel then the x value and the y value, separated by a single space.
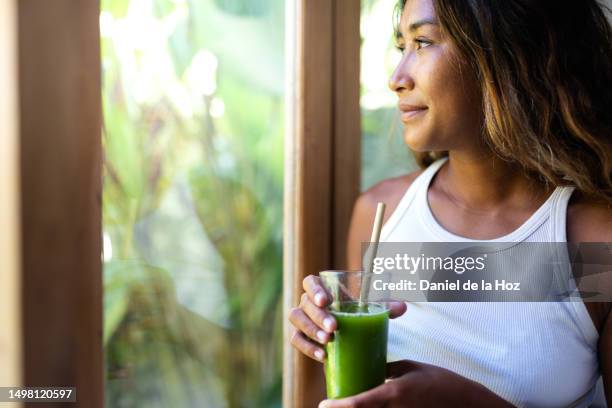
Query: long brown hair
pixel 545 69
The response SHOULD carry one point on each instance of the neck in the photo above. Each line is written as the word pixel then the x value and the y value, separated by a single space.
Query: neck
pixel 483 181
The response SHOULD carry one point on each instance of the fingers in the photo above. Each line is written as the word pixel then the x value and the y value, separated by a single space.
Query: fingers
pixel 375 398
pixel 314 325
pixel 399 368
pixel 319 316
pixel 396 309
pixel 316 292
pixel 303 323
pixel 300 342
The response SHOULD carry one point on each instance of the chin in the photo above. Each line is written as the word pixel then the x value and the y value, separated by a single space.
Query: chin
pixel 418 142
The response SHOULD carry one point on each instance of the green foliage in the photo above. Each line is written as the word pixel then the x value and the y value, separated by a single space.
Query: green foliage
pixel 383 151
pixel 192 203
pixel 244 7
pixel 250 48
pixel 118 8
pixel 193 185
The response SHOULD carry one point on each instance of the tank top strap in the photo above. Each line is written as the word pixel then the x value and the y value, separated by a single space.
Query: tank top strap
pixel 419 183
pixel 430 172
pixel 558 214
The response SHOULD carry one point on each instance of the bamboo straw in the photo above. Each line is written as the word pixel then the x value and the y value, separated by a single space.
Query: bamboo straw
pixel 371 254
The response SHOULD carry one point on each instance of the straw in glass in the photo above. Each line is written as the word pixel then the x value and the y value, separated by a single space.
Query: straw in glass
pixel 371 255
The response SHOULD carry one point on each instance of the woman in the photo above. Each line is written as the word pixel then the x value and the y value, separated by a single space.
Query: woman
pixel 506 105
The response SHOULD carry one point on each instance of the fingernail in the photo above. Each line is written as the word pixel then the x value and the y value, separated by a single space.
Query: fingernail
pixel 323 404
pixel 321 335
pixel 319 299
pixel 328 323
pixel 319 355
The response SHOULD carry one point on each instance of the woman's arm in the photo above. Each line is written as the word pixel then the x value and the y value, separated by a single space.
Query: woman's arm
pixel 589 221
pixel 605 358
pixel 417 384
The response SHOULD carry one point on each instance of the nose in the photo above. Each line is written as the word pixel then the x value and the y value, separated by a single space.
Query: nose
pixel 401 79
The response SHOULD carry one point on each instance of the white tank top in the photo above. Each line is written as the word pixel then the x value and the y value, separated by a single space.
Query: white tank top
pixel 530 354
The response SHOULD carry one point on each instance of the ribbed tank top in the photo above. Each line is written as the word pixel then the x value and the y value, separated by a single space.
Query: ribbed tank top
pixel 530 354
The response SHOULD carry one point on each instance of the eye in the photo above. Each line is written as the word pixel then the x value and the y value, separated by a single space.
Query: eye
pixel 421 43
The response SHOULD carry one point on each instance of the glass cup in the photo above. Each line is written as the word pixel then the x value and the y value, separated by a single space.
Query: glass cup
pixel 357 354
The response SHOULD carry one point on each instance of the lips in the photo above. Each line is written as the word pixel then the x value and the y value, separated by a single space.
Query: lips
pixel 410 111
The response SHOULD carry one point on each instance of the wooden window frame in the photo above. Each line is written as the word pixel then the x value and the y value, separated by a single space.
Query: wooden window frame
pixel 51 197
pixel 322 162
pixel 10 280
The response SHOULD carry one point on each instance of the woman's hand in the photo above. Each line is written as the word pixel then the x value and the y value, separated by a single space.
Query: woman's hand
pixel 313 324
pixel 416 384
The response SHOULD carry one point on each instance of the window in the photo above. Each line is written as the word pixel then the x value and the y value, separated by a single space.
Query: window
pixel 383 152
pixel 193 97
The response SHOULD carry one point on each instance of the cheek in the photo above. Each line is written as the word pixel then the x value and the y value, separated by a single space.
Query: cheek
pixel 454 108
pixel 443 83
pixel 454 96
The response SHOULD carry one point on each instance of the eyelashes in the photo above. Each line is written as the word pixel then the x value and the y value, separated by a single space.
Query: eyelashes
pixel 420 43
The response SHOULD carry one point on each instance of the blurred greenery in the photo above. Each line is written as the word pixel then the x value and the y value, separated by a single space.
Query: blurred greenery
pixel 193 135
pixel 383 151
pixel 192 205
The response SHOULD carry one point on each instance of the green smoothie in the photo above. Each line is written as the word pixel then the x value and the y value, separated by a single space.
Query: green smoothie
pixel 357 356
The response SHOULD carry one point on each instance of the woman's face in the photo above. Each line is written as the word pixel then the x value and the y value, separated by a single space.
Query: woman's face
pixel 439 100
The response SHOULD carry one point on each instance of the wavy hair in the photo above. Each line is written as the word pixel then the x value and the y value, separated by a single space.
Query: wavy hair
pixel 545 72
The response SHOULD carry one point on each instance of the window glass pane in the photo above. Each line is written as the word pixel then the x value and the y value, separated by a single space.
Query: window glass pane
pixel 384 153
pixel 193 95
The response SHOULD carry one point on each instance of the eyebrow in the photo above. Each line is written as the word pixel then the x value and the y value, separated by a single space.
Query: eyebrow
pixel 427 21
pixel 415 26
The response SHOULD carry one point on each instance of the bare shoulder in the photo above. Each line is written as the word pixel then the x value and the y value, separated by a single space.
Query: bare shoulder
pixel 389 191
pixel 588 220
